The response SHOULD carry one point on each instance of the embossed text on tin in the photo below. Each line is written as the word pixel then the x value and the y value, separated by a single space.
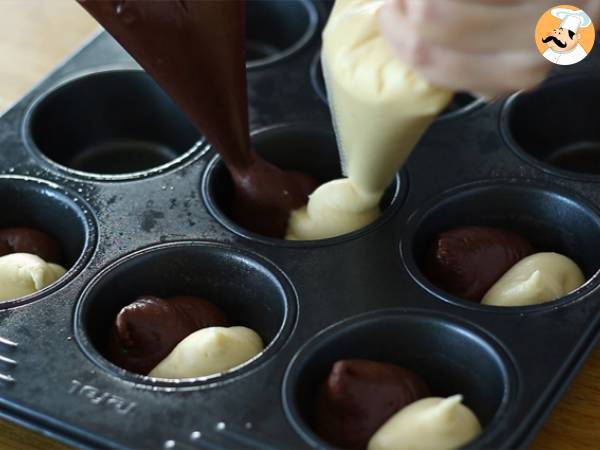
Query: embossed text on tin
pixel 97 397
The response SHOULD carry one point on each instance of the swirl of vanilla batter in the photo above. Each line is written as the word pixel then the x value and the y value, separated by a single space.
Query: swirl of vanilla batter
pixel 23 274
pixel 432 423
pixel 209 351
pixel 538 278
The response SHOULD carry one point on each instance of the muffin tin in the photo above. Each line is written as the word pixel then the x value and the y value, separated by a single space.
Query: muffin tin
pixel 158 223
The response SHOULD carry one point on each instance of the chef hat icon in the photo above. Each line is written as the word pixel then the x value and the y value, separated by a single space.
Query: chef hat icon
pixel 572 20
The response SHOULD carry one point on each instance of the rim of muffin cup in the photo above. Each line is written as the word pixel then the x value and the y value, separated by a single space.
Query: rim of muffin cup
pixel 98 82
pixel 68 205
pixel 91 333
pixel 298 41
pixel 324 165
pixel 310 365
pixel 520 190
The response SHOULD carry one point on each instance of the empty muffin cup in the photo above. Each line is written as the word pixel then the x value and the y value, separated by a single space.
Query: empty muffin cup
pixel 311 149
pixel 250 290
pixel 460 104
pixel 453 357
pixel 277 29
pixel 550 218
pixel 553 126
pixel 112 124
pixel 46 207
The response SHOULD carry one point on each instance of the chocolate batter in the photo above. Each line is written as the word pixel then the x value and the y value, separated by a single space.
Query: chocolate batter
pixel 5 248
pixel 467 261
pixel 146 331
pixel 28 240
pixel 195 51
pixel 361 395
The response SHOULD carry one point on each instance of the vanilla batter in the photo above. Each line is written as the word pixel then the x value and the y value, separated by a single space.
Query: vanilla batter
pixel 432 423
pixel 538 278
pixel 209 351
pixel 23 274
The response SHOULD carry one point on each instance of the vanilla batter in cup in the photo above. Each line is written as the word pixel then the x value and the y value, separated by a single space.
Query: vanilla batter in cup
pixel 23 274
pixel 538 278
pixel 432 423
pixel 209 351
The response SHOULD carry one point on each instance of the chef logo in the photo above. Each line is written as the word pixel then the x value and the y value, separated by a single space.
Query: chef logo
pixel 565 35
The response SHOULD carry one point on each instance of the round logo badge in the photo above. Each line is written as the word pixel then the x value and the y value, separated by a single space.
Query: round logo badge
pixel 565 35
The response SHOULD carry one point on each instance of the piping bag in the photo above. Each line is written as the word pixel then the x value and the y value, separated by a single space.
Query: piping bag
pixel 380 108
pixel 195 50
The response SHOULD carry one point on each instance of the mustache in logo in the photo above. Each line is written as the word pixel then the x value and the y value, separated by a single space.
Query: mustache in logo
pixel 556 41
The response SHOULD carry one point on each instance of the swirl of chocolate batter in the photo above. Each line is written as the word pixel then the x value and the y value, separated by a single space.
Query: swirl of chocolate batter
pixel 195 50
pixel 4 248
pixel 467 261
pixel 361 395
pixel 28 240
pixel 146 331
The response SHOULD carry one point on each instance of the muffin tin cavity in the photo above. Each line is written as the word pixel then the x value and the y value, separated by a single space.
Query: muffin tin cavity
pixel 111 124
pixel 307 148
pixel 250 290
pixel 552 219
pixel 451 356
pixel 460 104
pixel 275 29
pixel 553 126
pixel 30 202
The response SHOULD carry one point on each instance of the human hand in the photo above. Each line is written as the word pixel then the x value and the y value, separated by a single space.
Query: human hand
pixel 482 46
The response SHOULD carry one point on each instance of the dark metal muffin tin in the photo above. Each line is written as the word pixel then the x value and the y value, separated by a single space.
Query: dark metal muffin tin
pixel 165 230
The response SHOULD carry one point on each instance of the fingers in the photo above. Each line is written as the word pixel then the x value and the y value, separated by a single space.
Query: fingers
pixel 477 54
pixel 468 26
pixel 488 74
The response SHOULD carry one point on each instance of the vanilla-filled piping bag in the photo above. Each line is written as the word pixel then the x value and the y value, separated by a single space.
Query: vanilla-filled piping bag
pixel 380 107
